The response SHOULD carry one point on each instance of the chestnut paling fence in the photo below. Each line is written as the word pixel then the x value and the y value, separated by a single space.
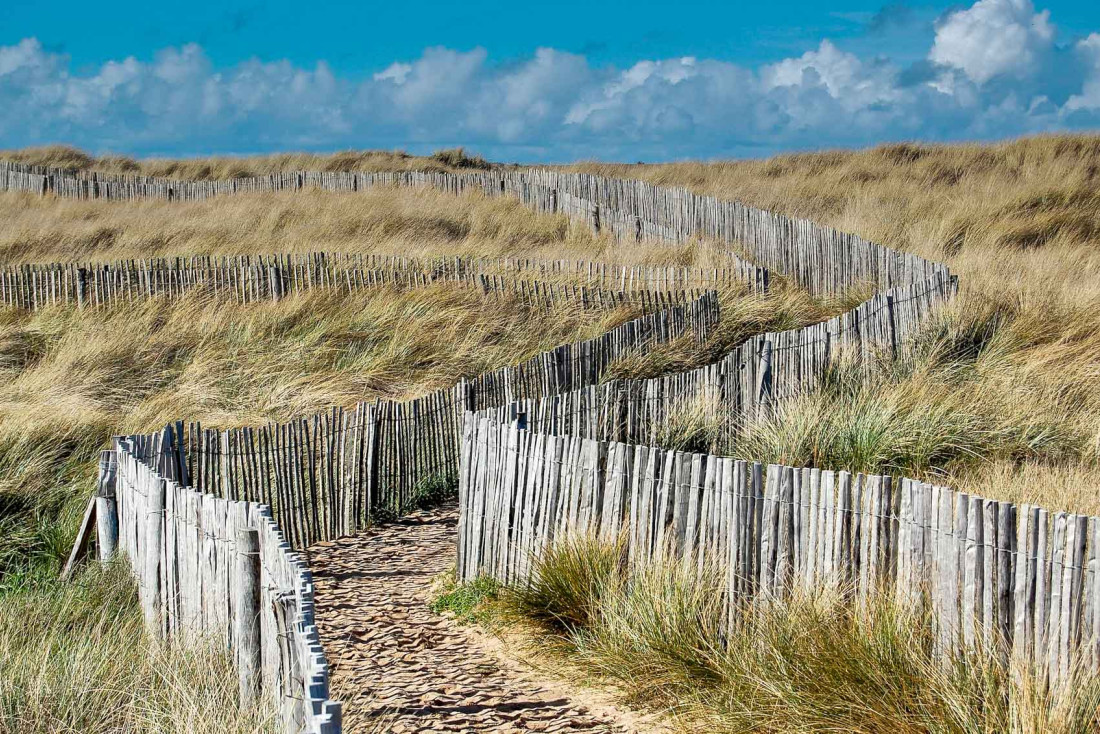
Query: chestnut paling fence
pixel 259 278
pixel 756 376
pixel 821 259
pixel 215 569
pixel 209 519
pixel 1015 579
pixel 330 474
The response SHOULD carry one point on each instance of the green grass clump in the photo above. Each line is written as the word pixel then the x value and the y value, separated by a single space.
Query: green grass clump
pixel 471 602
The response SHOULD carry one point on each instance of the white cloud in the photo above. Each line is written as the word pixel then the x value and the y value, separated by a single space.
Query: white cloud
pixel 396 72
pixel 1088 50
pixel 981 81
pixel 993 37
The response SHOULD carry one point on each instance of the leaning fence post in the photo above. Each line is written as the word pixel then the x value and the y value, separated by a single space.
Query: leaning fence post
pixel 247 629
pixel 107 506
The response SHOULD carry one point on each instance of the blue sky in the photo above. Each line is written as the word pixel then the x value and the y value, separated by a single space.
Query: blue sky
pixel 548 82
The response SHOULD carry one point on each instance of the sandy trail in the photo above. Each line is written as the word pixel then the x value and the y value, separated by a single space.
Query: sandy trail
pixel 399 667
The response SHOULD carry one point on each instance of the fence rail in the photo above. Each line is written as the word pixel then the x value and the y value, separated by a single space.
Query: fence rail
pixel 1018 579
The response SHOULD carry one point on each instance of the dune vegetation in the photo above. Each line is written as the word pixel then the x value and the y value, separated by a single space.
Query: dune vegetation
pixel 658 635
pixel 1004 398
pixel 73 378
pixel 76 659
pixel 217 167
pixel 1001 395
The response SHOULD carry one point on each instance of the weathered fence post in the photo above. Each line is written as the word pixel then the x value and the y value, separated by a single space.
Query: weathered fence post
pixel 81 287
pixel 107 506
pixel 182 477
pixel 276 278
pixel 247 630
pixel 167 460
pixel 764 380
pixel 154 540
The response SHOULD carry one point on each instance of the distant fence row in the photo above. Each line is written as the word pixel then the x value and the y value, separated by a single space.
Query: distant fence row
pixel 821 259
pixel 214 569
pixel 256 278
pixel 1018 581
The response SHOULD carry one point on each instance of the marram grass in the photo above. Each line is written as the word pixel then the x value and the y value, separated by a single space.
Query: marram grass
pixel 656 635
pixel 75 659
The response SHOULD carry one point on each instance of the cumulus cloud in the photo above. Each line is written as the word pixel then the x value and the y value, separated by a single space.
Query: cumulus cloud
pixel 983 77
pixel 1088 51
pixel 993 37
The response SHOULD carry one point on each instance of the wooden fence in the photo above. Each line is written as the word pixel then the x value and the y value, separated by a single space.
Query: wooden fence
pixel 246 278
pixel 764 370
pixel 330 474
pixel 1022 581
pixel 219 570
pixel 821 259
pixel 326 475
pixel 253 278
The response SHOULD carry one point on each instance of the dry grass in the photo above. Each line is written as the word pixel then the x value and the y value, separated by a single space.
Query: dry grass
pixel 784 307
pixel 1031 207
pixel 384 221
pixel 73 379
pixel 1019 222
pixel 1003 399
pixel 813 664
pixel 75 660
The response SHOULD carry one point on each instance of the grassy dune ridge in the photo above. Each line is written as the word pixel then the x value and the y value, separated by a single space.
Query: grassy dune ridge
pixel 1016 357
pixel 227 166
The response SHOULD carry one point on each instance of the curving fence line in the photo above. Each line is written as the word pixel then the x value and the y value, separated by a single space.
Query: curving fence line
pixel 208 519
pixel 302 477
pixel 821 259
pixel 755 376
pixel 331 474
pixel 1017 581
